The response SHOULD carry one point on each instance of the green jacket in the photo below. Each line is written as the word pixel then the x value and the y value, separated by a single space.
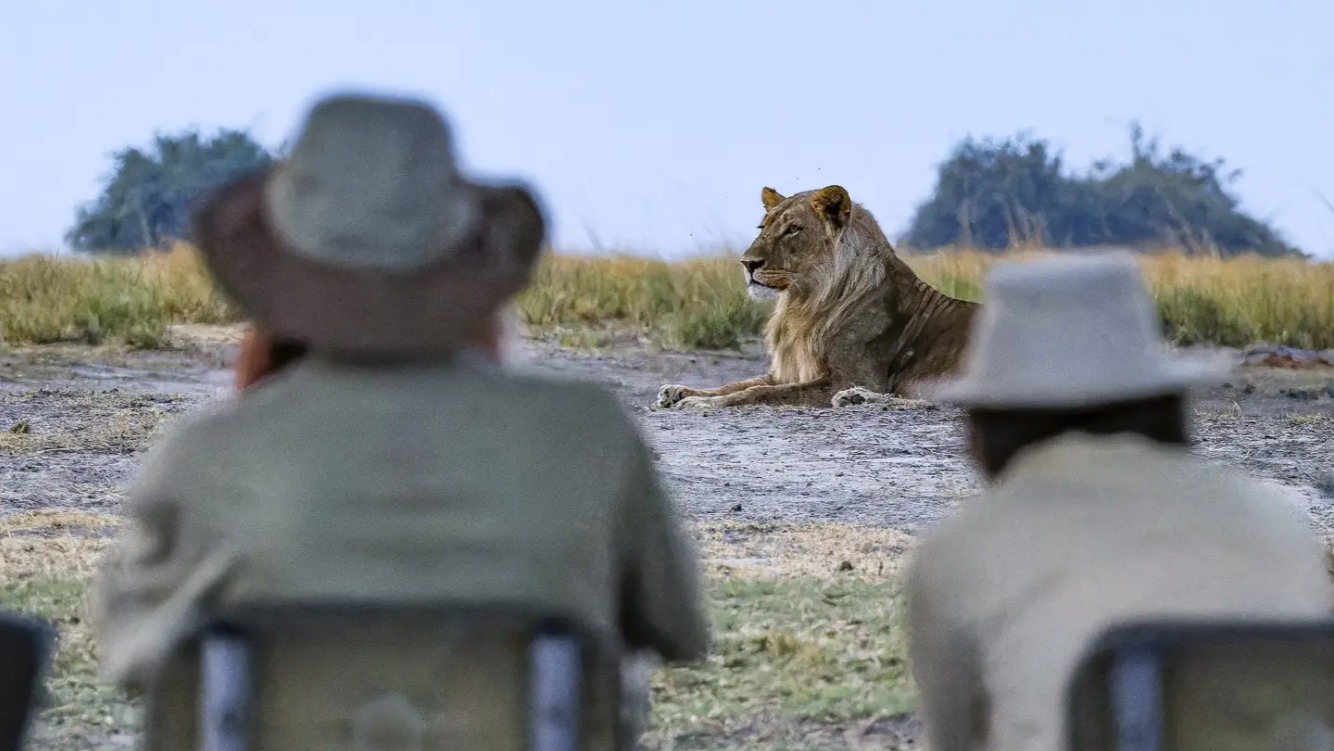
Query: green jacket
pixel 418 482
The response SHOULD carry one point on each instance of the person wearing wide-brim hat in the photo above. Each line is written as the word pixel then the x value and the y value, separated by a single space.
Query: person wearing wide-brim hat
pixel 386 462
pixel 1095 510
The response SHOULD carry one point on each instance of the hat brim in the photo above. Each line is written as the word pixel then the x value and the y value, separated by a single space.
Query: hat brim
pixel 434 308
pixel 1176 374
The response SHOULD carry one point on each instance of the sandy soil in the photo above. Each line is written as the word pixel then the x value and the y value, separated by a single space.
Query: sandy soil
pixel 72 421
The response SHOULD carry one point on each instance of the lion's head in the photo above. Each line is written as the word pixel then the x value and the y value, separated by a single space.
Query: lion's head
pixel 799 235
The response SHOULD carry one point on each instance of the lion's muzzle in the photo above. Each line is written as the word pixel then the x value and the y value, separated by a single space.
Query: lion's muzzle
pixel 757 291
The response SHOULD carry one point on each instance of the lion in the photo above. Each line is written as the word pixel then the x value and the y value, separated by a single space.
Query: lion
pixel 852 324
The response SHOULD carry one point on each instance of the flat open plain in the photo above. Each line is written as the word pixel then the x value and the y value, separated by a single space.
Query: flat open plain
pixel 803 516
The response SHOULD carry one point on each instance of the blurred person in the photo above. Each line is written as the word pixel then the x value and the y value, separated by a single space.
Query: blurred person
pixel 261 354
pixel 388 461
pixel 1095 511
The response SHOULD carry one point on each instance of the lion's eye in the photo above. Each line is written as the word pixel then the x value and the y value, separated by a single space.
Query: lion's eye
pixel 792 230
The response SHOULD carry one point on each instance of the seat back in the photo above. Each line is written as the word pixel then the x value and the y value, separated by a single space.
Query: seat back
pixel 1205 686
pixel 359 675
pixel 25 654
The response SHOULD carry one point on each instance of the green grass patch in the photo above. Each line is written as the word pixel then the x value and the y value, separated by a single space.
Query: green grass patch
pixel 80 711
pixel 796 655
pixel 788 655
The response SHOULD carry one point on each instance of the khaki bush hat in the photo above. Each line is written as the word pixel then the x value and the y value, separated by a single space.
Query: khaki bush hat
pixel 367 238
pixel 1069 331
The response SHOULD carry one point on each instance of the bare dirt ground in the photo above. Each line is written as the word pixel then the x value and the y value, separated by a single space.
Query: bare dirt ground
pixel 82 416
pixel 822 501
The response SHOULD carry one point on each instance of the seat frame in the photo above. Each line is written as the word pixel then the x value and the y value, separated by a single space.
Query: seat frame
pixel 27 645
pixel 558 653
pixel 1119 680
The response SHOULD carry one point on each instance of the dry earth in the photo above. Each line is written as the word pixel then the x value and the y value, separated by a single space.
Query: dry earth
pixel 73 422
pixel 82 415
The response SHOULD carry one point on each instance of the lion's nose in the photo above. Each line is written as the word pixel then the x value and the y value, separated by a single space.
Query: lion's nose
pixel 752 265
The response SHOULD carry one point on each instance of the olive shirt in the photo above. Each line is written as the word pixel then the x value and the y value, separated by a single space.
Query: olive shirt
pixel 1078 533
pixel 416 482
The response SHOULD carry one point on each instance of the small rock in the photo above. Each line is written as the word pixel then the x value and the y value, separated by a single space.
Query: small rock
pixel 737 509
pixel 845 566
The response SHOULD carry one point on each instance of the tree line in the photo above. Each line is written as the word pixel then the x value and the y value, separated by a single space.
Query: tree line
pixel 990 194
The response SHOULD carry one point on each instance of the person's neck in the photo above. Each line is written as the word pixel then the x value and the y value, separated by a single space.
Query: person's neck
pixel 1118 438
pixel 392 359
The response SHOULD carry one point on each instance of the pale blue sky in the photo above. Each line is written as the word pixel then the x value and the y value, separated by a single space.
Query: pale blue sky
pixel 652 126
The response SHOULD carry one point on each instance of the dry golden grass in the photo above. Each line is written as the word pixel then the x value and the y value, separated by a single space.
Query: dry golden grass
pixel 130 300
pixel 702 303
pixel 696 304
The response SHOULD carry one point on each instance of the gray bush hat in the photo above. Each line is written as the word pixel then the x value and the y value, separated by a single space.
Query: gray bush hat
pixel 1069 331
pixel 367 238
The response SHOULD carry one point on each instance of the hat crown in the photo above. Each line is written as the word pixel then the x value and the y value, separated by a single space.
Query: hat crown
pixel 372 183
pixel 1066 312
pixel 1064 331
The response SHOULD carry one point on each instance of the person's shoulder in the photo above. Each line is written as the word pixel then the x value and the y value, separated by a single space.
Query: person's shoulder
pixel 1269 509
pixel 592 400
pixel 1277 503
pixel 1221 481
pixel 529 378
pixel 185 452
pixel 948 539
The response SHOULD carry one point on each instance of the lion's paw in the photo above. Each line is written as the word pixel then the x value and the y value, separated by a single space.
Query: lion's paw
pixel 895 402
pixel 855 395
pixel 669 396
pixel 697 403
pixel 858 395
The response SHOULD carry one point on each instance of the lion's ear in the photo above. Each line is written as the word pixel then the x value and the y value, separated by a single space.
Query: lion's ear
pixel 771 198
pixel 833 205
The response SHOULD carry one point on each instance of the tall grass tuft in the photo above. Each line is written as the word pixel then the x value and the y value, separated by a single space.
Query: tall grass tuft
pixel 123 300
pixel 1202 300
pixel 696 304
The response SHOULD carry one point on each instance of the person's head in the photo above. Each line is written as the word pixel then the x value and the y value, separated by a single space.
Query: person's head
pixel 262 355
pixel 503 340
pixel 367 243
pixel 996 435
pixel 1070 344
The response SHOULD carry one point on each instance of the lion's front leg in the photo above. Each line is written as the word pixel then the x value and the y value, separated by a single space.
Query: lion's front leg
pixel 859 395
pixel 670 396
pixel 805 394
